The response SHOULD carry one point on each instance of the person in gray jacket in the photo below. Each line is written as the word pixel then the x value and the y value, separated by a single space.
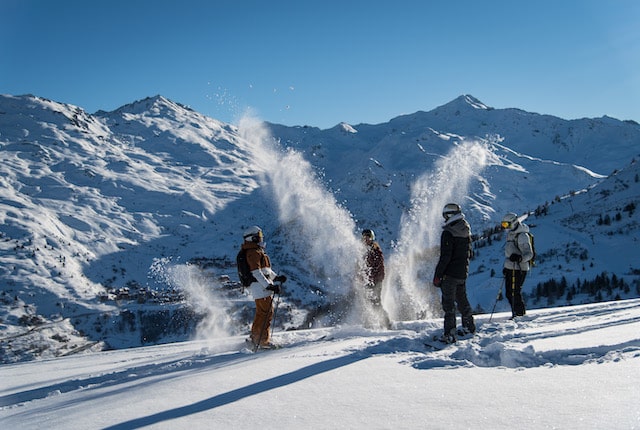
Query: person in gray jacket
pixel 452 271
pixel 518 253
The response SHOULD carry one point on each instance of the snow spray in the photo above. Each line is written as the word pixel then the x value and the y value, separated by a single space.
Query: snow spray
pixel 199 294
pixel 321 232
pixel 408 292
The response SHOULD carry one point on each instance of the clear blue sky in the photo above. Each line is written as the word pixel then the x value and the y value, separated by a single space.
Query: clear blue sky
pixel 318 63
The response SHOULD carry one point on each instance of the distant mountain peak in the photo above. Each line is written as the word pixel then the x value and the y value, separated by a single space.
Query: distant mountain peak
pixel 343 126
pixel 475 103
pixel 467 100
pixel 157 104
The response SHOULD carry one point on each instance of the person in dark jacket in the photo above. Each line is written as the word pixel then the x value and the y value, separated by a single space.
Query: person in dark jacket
pixel 373 273
pixel 452 271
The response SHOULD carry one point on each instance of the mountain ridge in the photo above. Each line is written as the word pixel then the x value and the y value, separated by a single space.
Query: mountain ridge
pixel 94 204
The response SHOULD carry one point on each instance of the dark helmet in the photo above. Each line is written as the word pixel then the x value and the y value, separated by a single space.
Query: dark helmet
pixel 450 210
pixel 368 233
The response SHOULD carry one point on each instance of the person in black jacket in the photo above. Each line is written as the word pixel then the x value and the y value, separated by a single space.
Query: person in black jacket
pixel 452 271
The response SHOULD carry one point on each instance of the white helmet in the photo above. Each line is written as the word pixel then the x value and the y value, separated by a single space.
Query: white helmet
pixel 253 234
pixel 510 221
pixel 450 210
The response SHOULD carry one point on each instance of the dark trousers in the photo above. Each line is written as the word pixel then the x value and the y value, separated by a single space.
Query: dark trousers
pixel 454 291
pixel 513 280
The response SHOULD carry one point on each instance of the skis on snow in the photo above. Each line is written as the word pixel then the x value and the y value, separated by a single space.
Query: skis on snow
pixel 435 343
pixel 250 347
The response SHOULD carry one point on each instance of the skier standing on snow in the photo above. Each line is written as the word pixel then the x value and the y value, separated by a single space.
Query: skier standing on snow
pixel 373 273
pixel 263 288
pixel 518 252
pixel 452 271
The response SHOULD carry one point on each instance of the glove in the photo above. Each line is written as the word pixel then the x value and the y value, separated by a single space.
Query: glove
pixel 436 282
pixel 516 258
pixel 275 288
pixel 280 278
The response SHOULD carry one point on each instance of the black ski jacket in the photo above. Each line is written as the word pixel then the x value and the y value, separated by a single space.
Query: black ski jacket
pixel 455 250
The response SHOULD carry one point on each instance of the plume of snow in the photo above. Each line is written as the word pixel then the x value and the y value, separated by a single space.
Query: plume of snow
pixel 200 294
pixel 408 292
pixel 322 232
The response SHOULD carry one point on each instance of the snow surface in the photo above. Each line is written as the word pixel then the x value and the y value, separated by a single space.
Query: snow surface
pixel 570 368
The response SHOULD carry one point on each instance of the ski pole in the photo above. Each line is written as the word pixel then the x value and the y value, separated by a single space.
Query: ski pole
pixel 513 292
pixel 275 310
pixel 497 299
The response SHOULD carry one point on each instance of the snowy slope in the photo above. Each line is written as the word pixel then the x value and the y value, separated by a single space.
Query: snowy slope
pixel 120 228
pixel 575 242
pixel 571 368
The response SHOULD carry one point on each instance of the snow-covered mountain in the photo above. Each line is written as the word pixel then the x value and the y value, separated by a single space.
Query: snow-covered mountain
pixel 120 228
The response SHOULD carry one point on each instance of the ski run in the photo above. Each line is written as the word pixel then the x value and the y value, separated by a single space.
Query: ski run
pixel 567 367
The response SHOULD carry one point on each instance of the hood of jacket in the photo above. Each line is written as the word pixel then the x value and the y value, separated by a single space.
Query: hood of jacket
pixel 521 228
pixel 458 227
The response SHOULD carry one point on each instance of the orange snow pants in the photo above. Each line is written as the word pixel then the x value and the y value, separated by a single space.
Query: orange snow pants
pixel 261 327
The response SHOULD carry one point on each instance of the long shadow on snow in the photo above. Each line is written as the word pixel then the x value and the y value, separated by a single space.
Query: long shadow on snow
pixel 243 392
pixel 128 375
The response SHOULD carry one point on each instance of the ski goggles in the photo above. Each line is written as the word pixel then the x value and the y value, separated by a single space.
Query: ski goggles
pixel 506 224
pixel 257 237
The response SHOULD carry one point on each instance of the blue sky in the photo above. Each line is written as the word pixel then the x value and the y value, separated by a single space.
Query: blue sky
pixel 323 62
